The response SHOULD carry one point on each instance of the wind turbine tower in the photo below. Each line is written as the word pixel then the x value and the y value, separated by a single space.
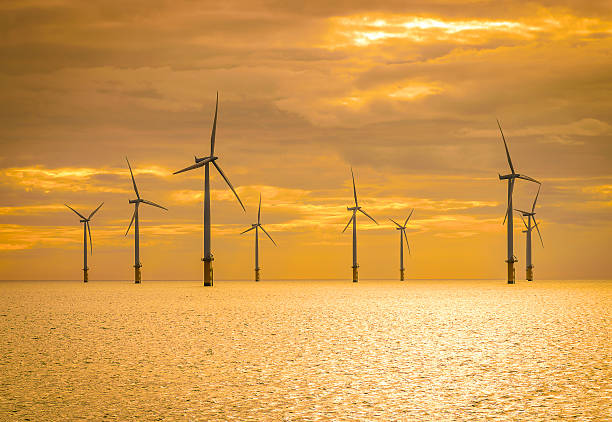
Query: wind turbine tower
pixel 86 230
pixel 137 202
pixel 205 162
pixel 403 237
pixel 353 220
pixel 528 228
pixel 256 227
pixel 511 177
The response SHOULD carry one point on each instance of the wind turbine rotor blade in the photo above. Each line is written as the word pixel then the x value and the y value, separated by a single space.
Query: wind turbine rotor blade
pixel 538 229
pixel 131 222
pixel 348 224
pixel 407 244
pixel 229 184
pixel 259 210
pixel 195 166
pixel 76 212
pixel 368 215
pixel 396 223
pixel 269 237
pixel 522 176
pixel 524 221
pixel 408 218
pixel 154 204
pixel 248 230
pixel 90 242
pixel 133 181
pixel 354 189
pixel 95 211
pixel 506 146
pixel 214 129
pixel 536 199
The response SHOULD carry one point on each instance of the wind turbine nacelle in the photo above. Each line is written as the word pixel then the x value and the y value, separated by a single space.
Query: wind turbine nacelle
pixel 83 221
pixel 507 176
pixel 198 160
pixel 134 201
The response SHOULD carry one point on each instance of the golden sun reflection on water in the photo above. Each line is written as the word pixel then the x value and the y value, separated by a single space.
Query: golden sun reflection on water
pixel 305 350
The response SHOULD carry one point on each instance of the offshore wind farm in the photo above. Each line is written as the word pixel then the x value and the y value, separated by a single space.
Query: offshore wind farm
pixel 468 130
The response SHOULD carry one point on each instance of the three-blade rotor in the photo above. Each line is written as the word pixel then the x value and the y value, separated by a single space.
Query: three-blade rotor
pixel 356 207
pixel 139 200
pixel 258 224
pixel 86 220
pixel 532 215
pixel 513 175
pixel 402 228
pixel 201 162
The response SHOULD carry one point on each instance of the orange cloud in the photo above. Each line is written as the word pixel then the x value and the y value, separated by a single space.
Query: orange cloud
pixel 366 30
pixel 73 179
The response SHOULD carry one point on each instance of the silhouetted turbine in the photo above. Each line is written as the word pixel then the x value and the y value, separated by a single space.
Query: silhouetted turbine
pixel 86 230
pixel 136 202
pixel 511 177
pixel 353 219
pixel 256 227
pixel 402 230
pixel 529 227
pixel 204 162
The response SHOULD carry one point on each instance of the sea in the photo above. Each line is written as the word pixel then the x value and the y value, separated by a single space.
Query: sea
pixel 416 350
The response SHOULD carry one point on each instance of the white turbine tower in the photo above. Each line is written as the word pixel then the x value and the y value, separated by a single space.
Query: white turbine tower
pixel 511 259
pixel 354 221
pixel 403 237
pixel 256 227
pixel 86 230
pixel 205 162
pixel 136 202
pixel 529 227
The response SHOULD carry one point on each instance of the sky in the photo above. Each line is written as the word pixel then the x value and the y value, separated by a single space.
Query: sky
pixel 407 93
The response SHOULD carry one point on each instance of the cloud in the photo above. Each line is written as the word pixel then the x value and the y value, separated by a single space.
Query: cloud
pixel 370 29
pixel 32 209
pixel 72 179
pixel 560 133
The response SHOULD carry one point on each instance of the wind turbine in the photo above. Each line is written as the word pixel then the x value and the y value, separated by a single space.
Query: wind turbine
pixel 136 202
pixel 256 227
pixel 511 178
pixel 402 230
pixel 205 162
pixel 354 221
pixel 86 229
pixel 529 227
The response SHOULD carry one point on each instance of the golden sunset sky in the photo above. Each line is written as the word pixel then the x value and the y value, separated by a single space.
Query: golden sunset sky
pixel 405 92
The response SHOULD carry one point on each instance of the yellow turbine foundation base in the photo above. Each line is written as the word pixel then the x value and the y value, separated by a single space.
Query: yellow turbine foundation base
pixel 208 273
pixel 355 275
pixel 257 274
pixel 137 275
pixel 511 272
pixel 85 276
pixel 530 273
pixel 401 274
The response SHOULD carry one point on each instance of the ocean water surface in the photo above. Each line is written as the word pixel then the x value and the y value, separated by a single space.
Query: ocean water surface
pixel 299 350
